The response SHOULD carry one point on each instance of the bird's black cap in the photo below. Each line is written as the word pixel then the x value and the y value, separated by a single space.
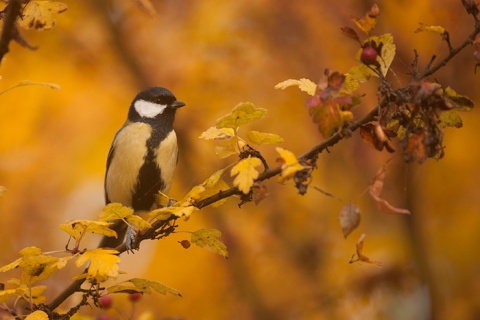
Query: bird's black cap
pixel 159 95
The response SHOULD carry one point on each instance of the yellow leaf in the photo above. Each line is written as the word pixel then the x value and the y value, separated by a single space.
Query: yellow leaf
pixel 263 138
pixel 37 294
pixel 11 265
pixel 180 212
pixel 162 199
pixel 138 222
pixel 213 185
pixel 246 173
pixel 368 21
pixel 462 103
pixel 103 263
pixel 78 228
pixel 35 266
pixel 242 114
pixel 40 15
pixel 303 84
pixel 388 50
pixel 191 197
pixel 450 118
pixel 229 147
pixel 214 133
pixel 9 293
pixel 425 27
pixel 115 211
pixel 290 164
pixel 356 75
pixel 209 237
pixel 143 285
pixel 37 315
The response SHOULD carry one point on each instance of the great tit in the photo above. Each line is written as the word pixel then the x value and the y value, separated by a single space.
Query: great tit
pixel 142 158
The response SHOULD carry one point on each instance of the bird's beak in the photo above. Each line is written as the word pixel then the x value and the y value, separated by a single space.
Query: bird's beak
pixel 178 104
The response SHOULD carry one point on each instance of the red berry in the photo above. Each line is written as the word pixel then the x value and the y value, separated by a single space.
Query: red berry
pixel 368 56
pixel 105 302
pixel 103 317
pixel 134 297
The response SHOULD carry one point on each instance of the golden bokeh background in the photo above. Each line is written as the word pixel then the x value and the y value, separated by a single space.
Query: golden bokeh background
pixel 288 258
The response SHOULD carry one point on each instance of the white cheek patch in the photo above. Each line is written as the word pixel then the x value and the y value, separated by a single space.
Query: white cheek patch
pixel 148 109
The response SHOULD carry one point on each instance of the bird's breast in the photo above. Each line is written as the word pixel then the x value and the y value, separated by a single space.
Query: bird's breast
pixel 129 150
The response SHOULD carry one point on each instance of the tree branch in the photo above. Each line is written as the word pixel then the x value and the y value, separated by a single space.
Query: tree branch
pixel 453 52
pixel 9 32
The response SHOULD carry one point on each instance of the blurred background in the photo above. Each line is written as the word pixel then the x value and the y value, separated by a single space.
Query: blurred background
pixel 288 258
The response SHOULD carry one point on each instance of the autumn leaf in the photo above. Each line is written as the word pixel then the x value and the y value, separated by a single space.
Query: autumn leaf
pixel 303 84
pixel 37 315
pixel 329 117
pixel 368 21
pixel 290 164
pixel 260 192
pixel 144 286
pixel 214 133
pixel 138 222
pixel 415 148
pixel 213 185
pixel 40 15
pixel 162 199
pixel 35 265
pixel 350 33
pixel 242 114
pixel 377 137
pixel 461 103
pixel 263 138
pixel 436 29
pixel 349 218
pixel 7 294
pixel 103 264
pixel 115 211
pixel 78 228
pixel 178 211
pixel 209 237
pixel 37 294
pixel 360 256
pixel 450 118
pixel 245 173
pixel 356 75
pixel 375 189
pixel 385 57
pixel 228 147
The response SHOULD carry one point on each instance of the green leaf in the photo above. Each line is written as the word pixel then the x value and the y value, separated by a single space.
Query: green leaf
pixel 242 114
pixel 209 237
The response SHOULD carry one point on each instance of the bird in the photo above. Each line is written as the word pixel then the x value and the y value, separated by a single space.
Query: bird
pixel 142 158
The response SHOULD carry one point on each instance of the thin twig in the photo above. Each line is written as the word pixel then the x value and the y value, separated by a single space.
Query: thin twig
pixel 453 52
